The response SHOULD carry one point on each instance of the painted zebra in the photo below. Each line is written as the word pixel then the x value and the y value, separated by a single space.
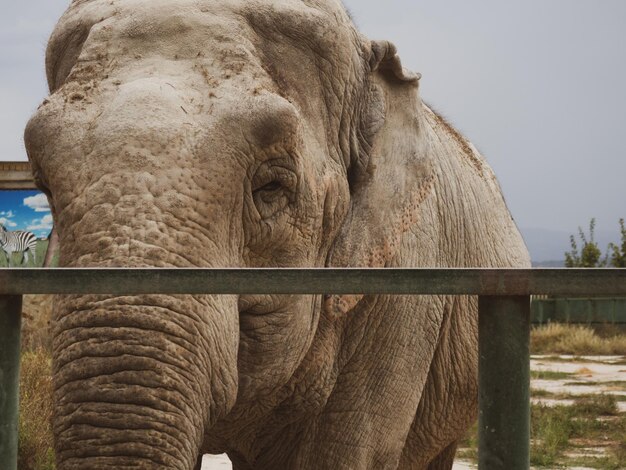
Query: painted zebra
pixel 17 242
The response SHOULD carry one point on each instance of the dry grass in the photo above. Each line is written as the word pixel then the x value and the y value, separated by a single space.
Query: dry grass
pixel 36 314
pixel 557 338
pixel 35 431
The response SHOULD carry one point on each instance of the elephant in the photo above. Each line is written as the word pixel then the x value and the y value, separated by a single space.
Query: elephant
pixel 256 133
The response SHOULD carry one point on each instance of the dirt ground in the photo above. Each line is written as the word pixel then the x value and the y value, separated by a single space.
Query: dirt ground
pixel 563 378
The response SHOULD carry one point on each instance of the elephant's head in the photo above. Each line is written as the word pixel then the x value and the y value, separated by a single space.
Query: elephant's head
pixel 184 133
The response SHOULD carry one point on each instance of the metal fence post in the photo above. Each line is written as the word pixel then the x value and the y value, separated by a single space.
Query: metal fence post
pixel 10 330
pixel 504 379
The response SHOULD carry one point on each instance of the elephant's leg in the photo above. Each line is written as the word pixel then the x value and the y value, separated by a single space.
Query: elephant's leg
pixel 445 459
pixel 448 406
pixel 198 465
pixel 238 462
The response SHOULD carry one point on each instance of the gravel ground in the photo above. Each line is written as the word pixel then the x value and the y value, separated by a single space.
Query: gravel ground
pixel 221 462
pixel 590 375
pixel 216 462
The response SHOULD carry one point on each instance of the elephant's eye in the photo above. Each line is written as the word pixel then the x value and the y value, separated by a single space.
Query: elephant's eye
pixel 273 188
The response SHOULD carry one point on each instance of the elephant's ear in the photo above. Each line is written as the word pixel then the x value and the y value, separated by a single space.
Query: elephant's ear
pixel 390 176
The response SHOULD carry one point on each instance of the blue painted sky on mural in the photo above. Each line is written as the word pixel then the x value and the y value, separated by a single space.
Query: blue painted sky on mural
pixel 25 210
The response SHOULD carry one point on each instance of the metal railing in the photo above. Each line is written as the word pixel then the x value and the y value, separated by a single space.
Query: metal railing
pixel 602 311
pixel 504 324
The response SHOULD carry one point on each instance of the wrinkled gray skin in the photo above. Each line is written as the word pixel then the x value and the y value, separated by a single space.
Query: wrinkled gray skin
pixel 256 133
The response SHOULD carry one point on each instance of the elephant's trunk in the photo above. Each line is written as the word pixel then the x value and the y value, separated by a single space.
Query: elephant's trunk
pixel 139 379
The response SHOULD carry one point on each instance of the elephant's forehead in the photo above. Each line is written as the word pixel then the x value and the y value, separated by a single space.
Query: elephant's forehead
pixel 174 27
pixel 327 5
pixel 163 16
pixel 154 20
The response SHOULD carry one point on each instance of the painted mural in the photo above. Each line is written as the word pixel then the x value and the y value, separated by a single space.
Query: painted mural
pixel 25 226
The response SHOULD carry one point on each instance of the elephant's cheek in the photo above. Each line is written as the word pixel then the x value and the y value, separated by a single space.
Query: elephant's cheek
pixel 138 380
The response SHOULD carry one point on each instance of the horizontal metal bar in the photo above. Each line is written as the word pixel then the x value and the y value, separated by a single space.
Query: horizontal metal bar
pixel 126 281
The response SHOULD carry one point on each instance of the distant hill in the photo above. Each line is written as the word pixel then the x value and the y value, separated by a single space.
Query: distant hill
pixel 548 246
pixel 549 264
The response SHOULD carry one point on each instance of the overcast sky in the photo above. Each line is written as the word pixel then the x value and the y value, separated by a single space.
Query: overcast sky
pixel 538 86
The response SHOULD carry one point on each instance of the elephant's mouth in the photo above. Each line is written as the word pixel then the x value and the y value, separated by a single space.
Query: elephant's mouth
pixel 257 305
